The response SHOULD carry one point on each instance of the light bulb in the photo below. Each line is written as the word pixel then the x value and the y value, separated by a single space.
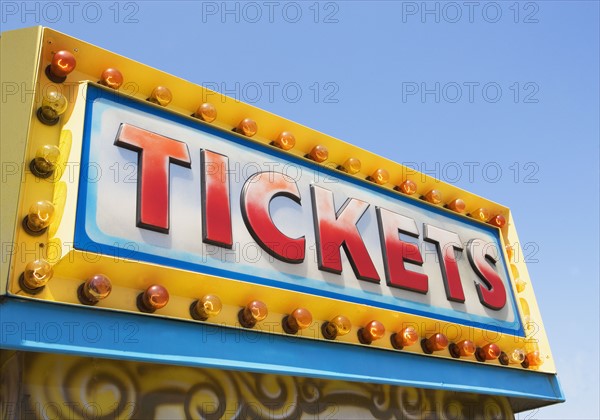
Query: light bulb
pixel 533 359
pixel 437 342
pixel 498 221
pixel 520 285
pixel 62 63
pixel 457 205
pixel 206 307
pixel 94 289
pixel 161 95
pixel 482 214
pixel 352 166
pixel 374 330
pixel 407 337
pixel 319 153
pixel 36 275
pixel 252 313
pixel 40 215
pixel 488 352
pixel 338 326
pixel 408 187
pixel 465 348
pixel 54 104
pixel 434 197
pixel 247 127
pixel 111 78
pixel 153 298
pixel 206 112
pixel 299 319
pixel 45 160
pixel 380 176
pixel 285 140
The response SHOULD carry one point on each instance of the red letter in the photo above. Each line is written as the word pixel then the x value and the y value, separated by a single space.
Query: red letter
pixel 155 154
pixel 396 251
pixel 446 242
pixel 494 294
pixel 216 209
pixel 333 230
pixel 258 192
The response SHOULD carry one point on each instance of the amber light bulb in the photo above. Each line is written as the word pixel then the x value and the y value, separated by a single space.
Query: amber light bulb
pixel 433 197
pixel 407 337
pixel 481 214
pixel 498 221
pixel 45 160
pixel 488 352
pixel 206 307
pixel 374 330
pixel 299 319
pixel 338 326
pixel 319 153
pixel 252 313
pixel 437 342
pixel 247 127
pixel 380 176
pixel 457 205
pixel 206 112
pixel 161 95
pixel 465 348
pixel 153 298
pixel 94 289
pixel 408 187
pixel 285 140
pixel 36 275
pixel 520 285
pixel 62 63
pixel 40 215
pixel 351 166
pixel 111 78
pixel 533 359
pixel 54 104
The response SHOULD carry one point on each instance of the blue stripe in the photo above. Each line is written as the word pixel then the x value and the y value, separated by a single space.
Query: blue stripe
pixel 30 325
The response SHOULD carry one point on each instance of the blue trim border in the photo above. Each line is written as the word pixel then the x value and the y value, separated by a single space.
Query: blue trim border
pixel 30 325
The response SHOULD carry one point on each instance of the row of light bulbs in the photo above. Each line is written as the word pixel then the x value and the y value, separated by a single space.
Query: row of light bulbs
pixel 55 104
pixel 98 287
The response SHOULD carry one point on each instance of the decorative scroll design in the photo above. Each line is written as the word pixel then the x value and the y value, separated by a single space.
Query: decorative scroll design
pixel 58 386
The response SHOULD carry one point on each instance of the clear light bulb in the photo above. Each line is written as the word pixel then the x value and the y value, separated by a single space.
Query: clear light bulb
pixel 40 215
pixel 54 104
pixel 45 160
pixel 37 274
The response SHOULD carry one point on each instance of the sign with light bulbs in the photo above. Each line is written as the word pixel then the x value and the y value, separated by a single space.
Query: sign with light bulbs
pixel 237 239
pixel 200 199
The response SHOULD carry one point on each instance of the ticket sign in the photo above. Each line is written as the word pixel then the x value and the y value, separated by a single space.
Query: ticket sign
pixel 161 188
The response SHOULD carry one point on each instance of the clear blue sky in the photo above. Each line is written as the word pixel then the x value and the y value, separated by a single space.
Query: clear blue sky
pixel 515 118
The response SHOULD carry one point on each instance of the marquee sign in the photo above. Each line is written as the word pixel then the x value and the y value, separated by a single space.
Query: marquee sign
pixel 236 239
pixel 187 196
